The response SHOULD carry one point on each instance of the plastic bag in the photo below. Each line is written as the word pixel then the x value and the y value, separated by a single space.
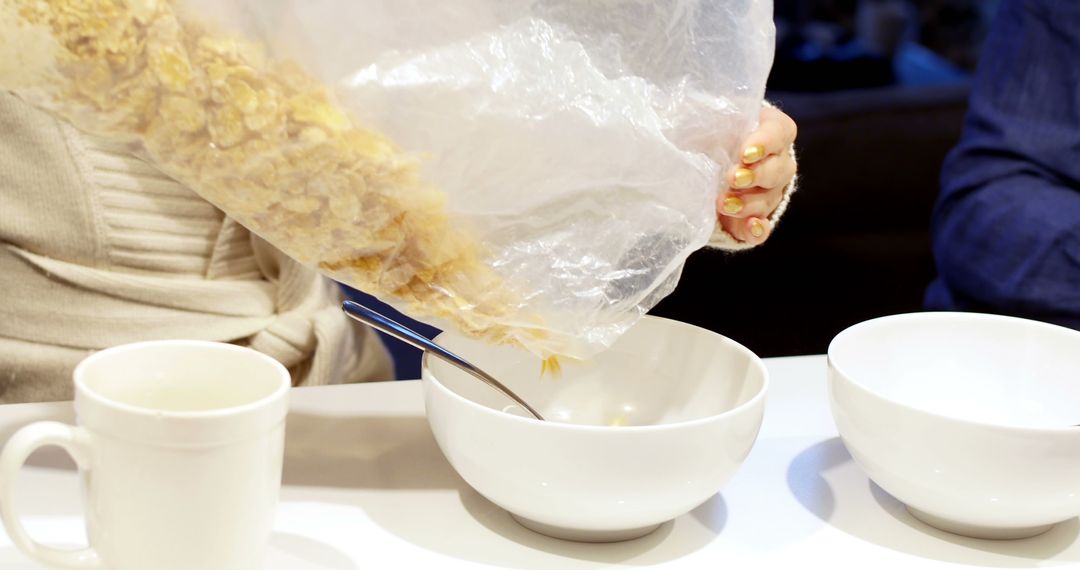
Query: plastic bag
pixel 532 172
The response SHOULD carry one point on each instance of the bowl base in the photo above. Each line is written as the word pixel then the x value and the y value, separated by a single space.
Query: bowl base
pixel 978 531
pixel 583 535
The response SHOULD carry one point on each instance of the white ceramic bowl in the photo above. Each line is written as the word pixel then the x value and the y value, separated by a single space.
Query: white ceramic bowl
pixel 966 418
pixel 690 401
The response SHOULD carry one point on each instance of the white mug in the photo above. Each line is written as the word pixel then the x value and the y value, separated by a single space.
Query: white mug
pixel 180 445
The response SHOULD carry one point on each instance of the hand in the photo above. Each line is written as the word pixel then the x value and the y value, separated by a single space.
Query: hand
pixel 757 184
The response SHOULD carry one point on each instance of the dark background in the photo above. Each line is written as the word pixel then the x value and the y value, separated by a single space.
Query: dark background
pixel 879 90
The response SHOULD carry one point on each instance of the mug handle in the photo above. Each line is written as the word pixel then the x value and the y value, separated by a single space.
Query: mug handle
pixel 75 442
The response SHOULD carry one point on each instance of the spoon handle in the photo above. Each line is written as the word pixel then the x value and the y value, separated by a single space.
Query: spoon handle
pixel 413 338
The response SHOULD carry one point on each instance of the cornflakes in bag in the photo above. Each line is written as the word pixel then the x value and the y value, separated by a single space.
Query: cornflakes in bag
pixel 529 172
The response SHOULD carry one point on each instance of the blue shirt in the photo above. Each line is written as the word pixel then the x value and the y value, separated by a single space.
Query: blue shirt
pixel 1006 227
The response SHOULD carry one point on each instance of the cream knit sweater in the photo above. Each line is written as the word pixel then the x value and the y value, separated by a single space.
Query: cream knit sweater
pixel 97 248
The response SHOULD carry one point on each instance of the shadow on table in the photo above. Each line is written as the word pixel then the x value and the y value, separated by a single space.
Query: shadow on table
pixel 662 545
pixel 51 457
pixel 390 452
pixel 400 452
pixel 312 552
pixel 828 483
pixel 393 452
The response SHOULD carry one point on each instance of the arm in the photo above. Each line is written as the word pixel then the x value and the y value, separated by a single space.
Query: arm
pixel 1006 229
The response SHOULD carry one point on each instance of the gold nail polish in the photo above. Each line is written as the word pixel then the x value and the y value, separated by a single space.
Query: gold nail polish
pixel 744 178
pixel 757 229
pixel 753 153
pixel 733 205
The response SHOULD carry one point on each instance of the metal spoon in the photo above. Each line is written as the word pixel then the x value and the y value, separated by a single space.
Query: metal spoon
pixel 409 336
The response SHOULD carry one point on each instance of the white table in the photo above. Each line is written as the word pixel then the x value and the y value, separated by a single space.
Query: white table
pixel 367 488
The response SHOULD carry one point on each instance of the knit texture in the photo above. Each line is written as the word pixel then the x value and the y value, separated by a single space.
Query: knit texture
pixel 97 248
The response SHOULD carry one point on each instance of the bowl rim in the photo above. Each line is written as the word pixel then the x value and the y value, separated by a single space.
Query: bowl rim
pixel 831 364
pixel 428 378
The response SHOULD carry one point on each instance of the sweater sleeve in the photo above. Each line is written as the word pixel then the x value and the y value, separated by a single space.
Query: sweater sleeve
pixel 1006 228
pixel 721 239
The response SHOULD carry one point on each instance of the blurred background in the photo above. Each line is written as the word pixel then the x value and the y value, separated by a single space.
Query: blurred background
pixel 879 90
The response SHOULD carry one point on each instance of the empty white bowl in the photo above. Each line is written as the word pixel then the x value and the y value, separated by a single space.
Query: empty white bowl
pixel 966 418
pixel 688 402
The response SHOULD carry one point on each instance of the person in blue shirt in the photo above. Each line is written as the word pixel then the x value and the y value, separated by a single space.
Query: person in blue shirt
pixel 1006 226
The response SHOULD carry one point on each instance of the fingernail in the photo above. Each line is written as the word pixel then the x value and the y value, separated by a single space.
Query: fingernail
pixel 733 205
pixel 753 153
pixel 757 228
pixel 744 177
